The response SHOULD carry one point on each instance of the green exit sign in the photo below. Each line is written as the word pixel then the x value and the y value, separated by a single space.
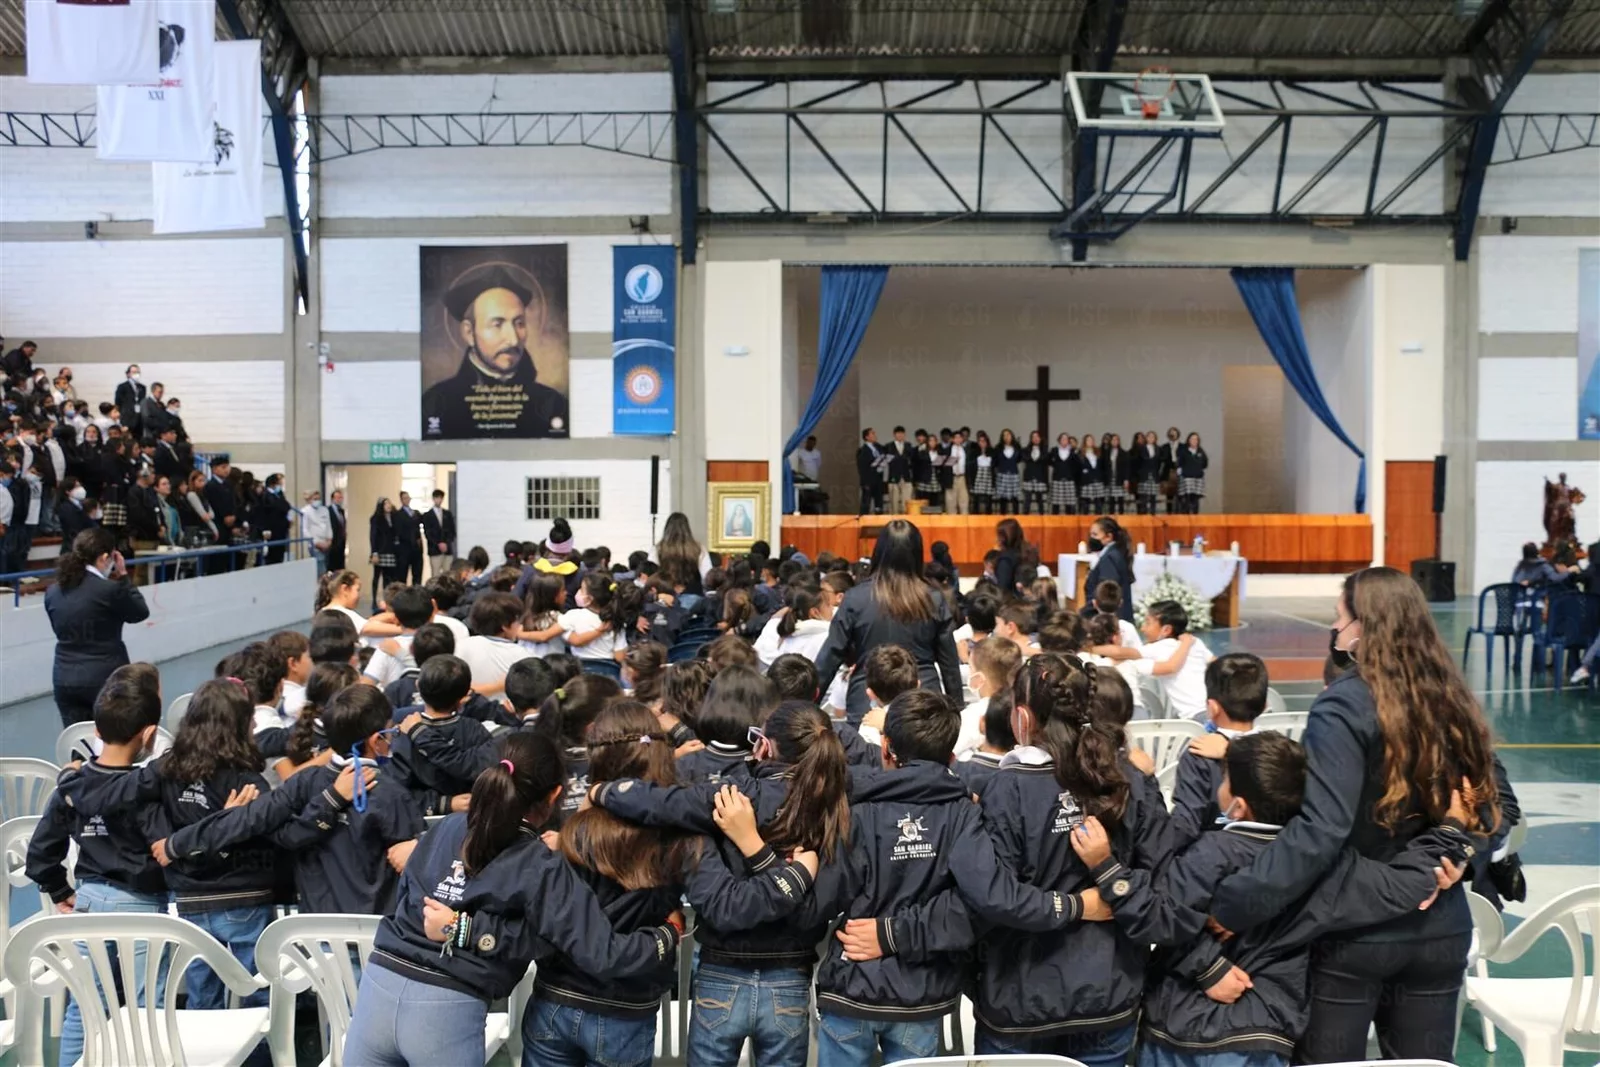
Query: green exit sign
pixel 386 452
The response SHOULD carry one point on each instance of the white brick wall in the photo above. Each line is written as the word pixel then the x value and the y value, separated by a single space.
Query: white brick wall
pixel 223 403
pixel 70 184
pixel 141 288
pixel 371 284
pixel 491 502
pixel 484 182
pixel 1510 506
pixel 1529 284
pixel 1527 399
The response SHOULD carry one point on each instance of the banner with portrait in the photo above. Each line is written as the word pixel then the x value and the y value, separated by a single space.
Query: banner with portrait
pixel 643 338
pixel 224 192
pixel 495 341
pixel 169 119
pixel 1589 344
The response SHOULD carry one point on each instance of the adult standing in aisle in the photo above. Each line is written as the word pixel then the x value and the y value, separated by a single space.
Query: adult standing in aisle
pixel 89 603
pixel 439 531
pixel 408 542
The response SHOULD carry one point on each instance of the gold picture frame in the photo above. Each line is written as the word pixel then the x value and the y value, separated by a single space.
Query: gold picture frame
pixel 739 515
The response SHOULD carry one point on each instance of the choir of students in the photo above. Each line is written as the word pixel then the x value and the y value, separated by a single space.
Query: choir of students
pixel 1017 851
pixel 963 473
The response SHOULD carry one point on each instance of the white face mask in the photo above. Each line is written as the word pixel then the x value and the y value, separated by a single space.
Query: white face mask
pixel 583 597
pixel 133 377
pixel 79 494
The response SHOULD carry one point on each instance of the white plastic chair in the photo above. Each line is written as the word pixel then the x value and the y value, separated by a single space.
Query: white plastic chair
pixel 1275 702
pixel 1291 724
pixel 312 953
pixel 176 711
pixel 15 834
pixel 71 951
pixel 1164 740
pixel 78 741
pixel 25 785
pixel 1488 931
pixel 1547 1016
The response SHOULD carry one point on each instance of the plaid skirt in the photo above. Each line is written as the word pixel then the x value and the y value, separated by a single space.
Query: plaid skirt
pixel 1150 488
pixel 1192 487
pixel 983 482
pixel 1008 486
pixel 386 561
pixel 1035 487
pixel 927 487
pixel 1064 493
pixel 1094 491
pixel 1116 492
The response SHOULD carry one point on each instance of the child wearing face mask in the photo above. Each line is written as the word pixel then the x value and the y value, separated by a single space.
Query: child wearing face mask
pixel 995 662
pixel 1236 695
pixel 593 629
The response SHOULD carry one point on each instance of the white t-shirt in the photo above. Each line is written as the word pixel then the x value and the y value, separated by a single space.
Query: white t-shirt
pixel 457 628
pixel 582 620
pixel 383 668
pixel 294 698
pixel 1133 671
pixel 1130 634
pixel 1186 690
pixel 357 620
pixel 807 640
pixel 971 736
pixel 490 658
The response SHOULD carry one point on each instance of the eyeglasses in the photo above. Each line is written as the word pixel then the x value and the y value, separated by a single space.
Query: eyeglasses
pixel 755 735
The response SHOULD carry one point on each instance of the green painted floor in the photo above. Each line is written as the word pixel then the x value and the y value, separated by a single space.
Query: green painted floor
pixel 1550 744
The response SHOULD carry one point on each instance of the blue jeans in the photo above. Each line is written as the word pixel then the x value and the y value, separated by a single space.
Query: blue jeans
pixel 238 929
pixel 558 1035
pixel 1094 1048
pixel 1153 1055
pixel 99 898
pixel 846 1042
pixel 400 1023
pixel 771 1008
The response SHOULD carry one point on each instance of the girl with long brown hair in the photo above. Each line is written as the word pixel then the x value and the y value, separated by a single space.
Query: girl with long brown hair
pixel 756 983
pixel 1386 743
pixel 639 875
pixel 681 558
pixel 894 606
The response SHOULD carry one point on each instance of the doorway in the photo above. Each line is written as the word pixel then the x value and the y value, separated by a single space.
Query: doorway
pixel 364 484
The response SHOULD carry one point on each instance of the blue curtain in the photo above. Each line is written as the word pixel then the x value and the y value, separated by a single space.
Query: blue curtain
pixel 849 296
pixel 1268 293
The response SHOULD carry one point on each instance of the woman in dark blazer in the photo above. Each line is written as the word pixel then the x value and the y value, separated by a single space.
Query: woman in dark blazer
pixel 894 606
pixel 1008 541
pixel 69 510
pixel 383 541
pixel 90 602
pixel 1114 565
pixel 1386 744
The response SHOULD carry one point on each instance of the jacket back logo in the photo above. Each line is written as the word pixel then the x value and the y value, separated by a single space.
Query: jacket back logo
pixel 911 845
pixel 454 887
pixel 1068 814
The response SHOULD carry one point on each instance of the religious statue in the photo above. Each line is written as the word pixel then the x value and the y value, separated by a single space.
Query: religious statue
pixel 1560 527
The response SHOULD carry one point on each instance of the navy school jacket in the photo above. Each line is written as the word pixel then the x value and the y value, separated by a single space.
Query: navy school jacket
pixel 1194 796
pixel 1088 976
pixel 245 875
pixel 789 942
pixel 717 762
pixel 976 772
pixel 527 903
pixel 771 892
pixel 921 864
pixel 430 783
pixel 857 752
pixel 112 847
pixel 1170 909
pixel 347 869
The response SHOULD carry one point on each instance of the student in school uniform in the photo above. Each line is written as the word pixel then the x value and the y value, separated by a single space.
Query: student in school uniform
pixel 1243 1001
pixel 412 608
pixel 493 648
pixel 983 762
pixel 1192 463
pixel 1171 453
pixel 1008 474
pixel 594 629
pixel 897 474
pixel 1035 474
pixel 1119 465
pixel 1091 477
pixel 1236 695
pixel 1064 476
pixel 924 482
pixel 1108 600
pixel 738 701
pixel 995 662
pixel 444 685
pixel 1148 470
pixel 1101 631
pixel 941 465
pixel 1166 626
pixel 983 484
pixel 801 626
pixel 958 469
pixel 869 472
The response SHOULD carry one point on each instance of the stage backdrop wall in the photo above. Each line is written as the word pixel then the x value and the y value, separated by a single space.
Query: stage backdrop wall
pixel 1146 347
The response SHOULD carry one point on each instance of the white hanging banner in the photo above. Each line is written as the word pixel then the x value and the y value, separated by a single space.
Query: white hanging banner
pixel 169 118
pixel 92 42
pixel 223 193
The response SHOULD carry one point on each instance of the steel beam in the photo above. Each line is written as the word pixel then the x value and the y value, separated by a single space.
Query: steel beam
pixel 1094 47
pixel 686 131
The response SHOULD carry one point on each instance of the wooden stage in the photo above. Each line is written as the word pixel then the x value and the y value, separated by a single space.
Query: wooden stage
pixel 1274 544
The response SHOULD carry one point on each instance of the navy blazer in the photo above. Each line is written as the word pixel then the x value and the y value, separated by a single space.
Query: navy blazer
pixel 1112 566
pixel 859 626
pixel 88 621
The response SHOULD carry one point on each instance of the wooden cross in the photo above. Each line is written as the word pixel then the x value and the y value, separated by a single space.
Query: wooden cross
pixel 1042 394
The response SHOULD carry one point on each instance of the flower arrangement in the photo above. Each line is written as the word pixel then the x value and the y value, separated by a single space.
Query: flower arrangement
pixel 1171 587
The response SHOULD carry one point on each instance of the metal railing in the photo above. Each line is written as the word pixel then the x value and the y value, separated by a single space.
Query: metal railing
pixel 161 564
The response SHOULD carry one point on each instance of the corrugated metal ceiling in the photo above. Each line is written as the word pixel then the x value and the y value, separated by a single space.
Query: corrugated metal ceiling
pixel 1402 29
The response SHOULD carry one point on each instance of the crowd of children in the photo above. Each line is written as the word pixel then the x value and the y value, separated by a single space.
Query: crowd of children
pixel 1015 851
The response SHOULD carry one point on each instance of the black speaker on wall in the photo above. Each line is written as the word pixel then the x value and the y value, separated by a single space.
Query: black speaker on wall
pixel 655 484
pixel 1438 484
pixel 1437 578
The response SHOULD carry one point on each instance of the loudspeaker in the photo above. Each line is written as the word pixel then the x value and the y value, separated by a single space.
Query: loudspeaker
pixel 1437 578
pixel 1438 485
pixel 655 484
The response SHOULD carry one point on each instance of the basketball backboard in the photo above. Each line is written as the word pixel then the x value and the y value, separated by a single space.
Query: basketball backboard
pixel 1155 101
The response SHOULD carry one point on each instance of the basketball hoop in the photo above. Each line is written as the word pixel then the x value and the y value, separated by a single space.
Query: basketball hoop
pixel 1153 87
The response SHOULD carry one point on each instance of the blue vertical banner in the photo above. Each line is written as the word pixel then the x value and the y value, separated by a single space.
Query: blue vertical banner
pixel 1589 345
pixel 643 338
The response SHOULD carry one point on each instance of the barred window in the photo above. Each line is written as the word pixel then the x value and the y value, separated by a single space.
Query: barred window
pixel 563 498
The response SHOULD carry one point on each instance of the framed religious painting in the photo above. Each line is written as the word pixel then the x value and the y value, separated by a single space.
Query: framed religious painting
pixel 739 515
